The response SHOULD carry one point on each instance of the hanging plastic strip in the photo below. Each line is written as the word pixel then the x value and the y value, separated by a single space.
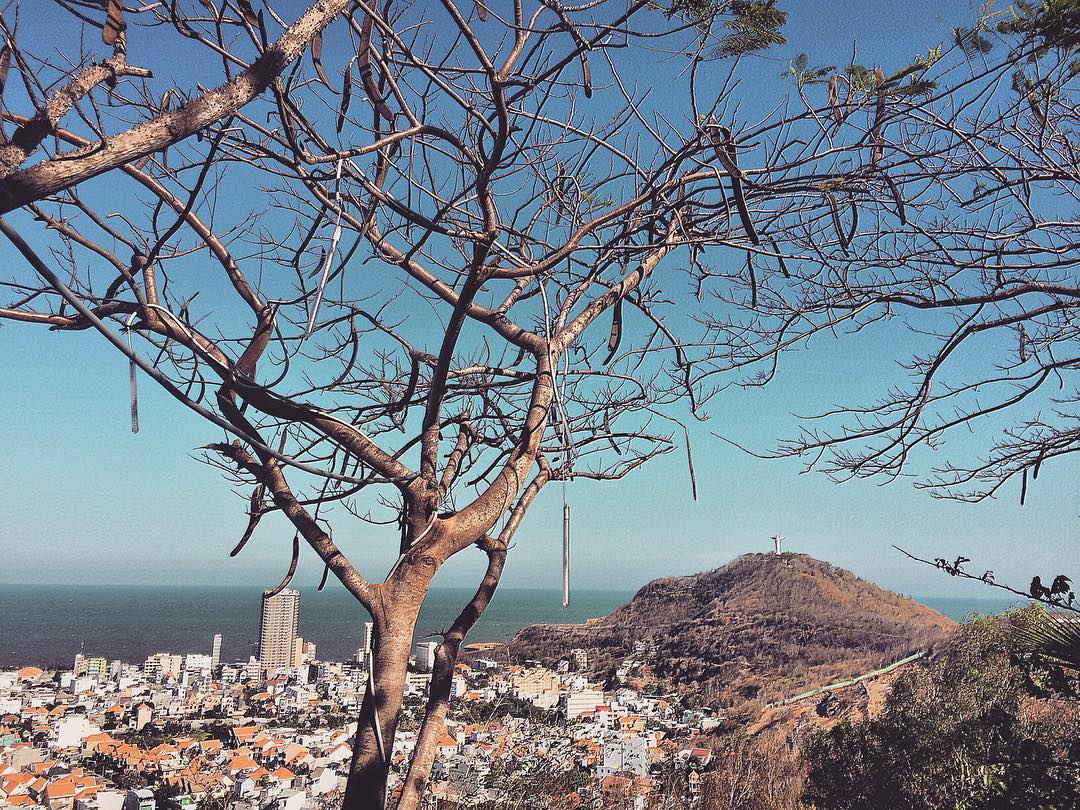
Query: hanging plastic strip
pixel 133 381
pixel 328 260
pixel 565 551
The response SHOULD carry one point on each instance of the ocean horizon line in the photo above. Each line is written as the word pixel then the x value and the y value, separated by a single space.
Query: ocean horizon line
pixel 295 585
pixel 1002 598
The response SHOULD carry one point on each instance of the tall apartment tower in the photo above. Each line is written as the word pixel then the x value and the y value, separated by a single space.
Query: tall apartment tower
pixel 365 650
pixel 277 628
pixel 425 655
pixel 215 653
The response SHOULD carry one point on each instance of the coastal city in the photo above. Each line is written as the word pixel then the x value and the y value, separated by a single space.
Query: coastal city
pixel 188 730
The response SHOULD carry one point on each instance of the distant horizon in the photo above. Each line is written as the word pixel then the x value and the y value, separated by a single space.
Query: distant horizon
pixel 976 590
pixel 991 597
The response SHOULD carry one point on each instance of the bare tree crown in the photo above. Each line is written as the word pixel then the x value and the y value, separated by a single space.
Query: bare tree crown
pixel 419 260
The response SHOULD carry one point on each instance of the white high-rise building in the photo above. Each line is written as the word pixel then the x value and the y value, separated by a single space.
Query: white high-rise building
pixel 215 653
pixel 277 628
pixel 425 655
pixel 365 650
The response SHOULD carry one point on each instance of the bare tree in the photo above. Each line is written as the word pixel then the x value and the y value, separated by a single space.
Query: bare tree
pixel 434 267
pixel 959 219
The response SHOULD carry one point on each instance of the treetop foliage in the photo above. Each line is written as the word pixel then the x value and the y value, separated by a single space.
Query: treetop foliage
pixel 967 731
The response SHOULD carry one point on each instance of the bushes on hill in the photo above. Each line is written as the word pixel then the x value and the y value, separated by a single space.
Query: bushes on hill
pixel 973 730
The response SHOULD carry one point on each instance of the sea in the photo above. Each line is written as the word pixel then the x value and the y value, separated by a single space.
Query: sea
pixel 46 625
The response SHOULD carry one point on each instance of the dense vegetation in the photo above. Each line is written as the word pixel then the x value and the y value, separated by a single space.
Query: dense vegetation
pixel 981 727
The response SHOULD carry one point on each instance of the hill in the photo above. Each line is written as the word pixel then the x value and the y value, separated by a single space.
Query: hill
pixel 761 628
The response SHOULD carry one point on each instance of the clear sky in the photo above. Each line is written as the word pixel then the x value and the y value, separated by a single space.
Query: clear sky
pixel 83 500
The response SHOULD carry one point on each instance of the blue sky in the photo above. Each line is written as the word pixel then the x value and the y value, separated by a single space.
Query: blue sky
pixel 72 470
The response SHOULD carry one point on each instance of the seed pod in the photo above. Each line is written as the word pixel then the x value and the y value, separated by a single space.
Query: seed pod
pixel 854 222
pixel 753 278
pixel 579 41
pixel 354 343
pixel 726 155
pixel 346 98
pixel 133 383
pixel 615 336
pixel 1023 344
pixel 292 568
pixel 410 388
pixel 834 99
pixel 896 199
pixel 363 64
pixel 5 64
pixel 481 10
pixel 114 22
pixel 610 438
pixel 254 516
pixel 325 575
pixel 1036 110
pixel 877 143
pixel 836 222
pixel 316 60
pixel 248 12
pixel 779 258
pixel 1023 487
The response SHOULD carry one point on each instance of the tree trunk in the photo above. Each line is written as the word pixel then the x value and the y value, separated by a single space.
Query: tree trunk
pixel 442 676
pixel 366 787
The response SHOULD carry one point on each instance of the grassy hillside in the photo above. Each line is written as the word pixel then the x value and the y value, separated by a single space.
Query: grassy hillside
pixel 761 628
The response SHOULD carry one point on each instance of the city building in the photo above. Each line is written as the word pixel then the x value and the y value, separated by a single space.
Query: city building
pixel 97 666
pixel 425 655
pixel 582 701
pixel 580 658
pixel 161 665
pixel 369 634
pixel 277 628
pixel 215 653
pixel 253 669
pixel 196 662
pixel 299 747
pixel 625 754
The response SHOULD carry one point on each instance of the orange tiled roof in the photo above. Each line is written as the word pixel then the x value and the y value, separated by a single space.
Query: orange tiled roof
pixel 241 762
pixel 61 789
